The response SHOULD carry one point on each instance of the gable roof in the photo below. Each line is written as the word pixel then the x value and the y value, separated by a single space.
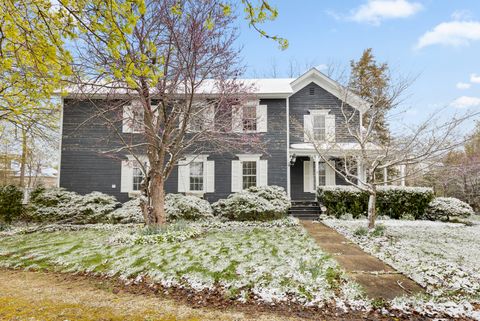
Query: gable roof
pixel 330 85
pixel 262 87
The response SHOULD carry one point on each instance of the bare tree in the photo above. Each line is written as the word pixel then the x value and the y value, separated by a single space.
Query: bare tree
pixel 173 85
pixel 364 160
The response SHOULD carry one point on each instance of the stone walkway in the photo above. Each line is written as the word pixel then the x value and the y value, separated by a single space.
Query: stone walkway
pixel 377 278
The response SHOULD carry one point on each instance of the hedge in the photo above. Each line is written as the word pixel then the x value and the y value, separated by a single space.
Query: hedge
pixel 11 207
pixel 392 201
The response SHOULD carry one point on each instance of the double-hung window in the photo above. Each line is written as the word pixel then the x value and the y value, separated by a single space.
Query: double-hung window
pixel 196 176
pixel 137 178
pixel 319 127
pixel 249 174
pixel 249 119
pixel 322 178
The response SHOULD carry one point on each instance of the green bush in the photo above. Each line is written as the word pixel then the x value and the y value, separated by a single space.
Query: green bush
pixel 11 207
pixel 254 204
pixel 392 201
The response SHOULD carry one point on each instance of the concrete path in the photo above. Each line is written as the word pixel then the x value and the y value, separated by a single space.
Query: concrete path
pixel 377 278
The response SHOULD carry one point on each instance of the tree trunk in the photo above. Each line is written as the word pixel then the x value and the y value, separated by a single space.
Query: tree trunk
pixel 23 159
pixel 157 202
pixel 372 210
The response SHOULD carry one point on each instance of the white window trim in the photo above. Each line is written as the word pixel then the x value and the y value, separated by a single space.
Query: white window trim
pixel 189 159
pixel 262 165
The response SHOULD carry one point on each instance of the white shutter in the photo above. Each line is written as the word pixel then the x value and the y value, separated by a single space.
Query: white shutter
pixel 236 176
pixel 210 176
pixel 237 116
pixel 308 176
pixel 330 174
pixel 126 181
pixel 262 172
pixel 209 116
pixel 127 119
pixel 330 128
pixel 183 176
pixel 307 128
pixel 262 118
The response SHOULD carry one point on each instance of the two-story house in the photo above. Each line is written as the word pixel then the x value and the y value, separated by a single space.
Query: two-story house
pixel 285 109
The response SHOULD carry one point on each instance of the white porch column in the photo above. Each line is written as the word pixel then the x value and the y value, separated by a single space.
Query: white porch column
pixel 316 159
pixel 385 176
pixel 402 174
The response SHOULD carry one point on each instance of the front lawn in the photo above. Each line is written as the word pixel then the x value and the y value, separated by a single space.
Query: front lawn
pixel 443 257
pixel 269 262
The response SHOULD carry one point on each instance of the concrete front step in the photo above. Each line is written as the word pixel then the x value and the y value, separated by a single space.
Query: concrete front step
pixel 305 210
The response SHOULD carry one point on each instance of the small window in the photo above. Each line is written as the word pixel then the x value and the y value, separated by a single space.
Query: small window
pixel 137 121
pixel 322 179
pixel 312 91
pixel 196 176
pixel 249 118
pixel 137 178
pixel 319 127
pixel 249 174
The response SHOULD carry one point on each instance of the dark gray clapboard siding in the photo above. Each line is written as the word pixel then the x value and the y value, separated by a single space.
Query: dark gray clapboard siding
pixel 85 167
pixel 302 101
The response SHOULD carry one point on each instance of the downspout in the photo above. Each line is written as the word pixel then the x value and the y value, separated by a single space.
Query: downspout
pixel 288 148
pixel 60 142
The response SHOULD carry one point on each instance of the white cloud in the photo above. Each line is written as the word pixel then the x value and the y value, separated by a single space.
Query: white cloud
pixel 474 78
pixel 453 33
pixel 375 11
pixel 462 15
pixel 463 85
pixel 465 102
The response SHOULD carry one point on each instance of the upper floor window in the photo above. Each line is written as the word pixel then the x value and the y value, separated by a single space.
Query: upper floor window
pixel 319 127
pixel 249 118
pixel 196 176
pixel 133 117
pixel 249 174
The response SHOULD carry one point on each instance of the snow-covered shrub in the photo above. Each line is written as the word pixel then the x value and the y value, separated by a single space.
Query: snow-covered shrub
pixel 181 207
pixel 130 212
pixel 60 205
pixel 254 204
pixel 392 201
pixel 276 195
pixel 445 208
pixel 11 206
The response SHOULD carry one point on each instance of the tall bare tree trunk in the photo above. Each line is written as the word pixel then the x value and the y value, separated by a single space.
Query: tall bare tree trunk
pixel 157 195
pixel 23 159
pixel 372 210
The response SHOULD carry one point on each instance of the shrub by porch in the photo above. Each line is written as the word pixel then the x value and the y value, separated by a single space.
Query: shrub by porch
pixel 392 201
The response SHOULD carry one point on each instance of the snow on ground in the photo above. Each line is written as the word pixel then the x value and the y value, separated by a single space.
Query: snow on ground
pixel 270 262
pixel 442 257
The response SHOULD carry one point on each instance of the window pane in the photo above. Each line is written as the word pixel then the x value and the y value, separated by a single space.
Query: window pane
pixel 249 174
pixel 319 127
pixel 321 174
pixel 137 178
pixel 249 118
pixel 196 176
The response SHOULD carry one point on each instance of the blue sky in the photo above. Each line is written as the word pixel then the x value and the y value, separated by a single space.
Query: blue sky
pixel 438 41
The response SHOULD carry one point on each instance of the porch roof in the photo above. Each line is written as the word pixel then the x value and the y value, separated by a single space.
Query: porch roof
pixel 333 149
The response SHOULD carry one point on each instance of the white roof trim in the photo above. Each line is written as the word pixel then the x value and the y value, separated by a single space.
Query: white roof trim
pixel 330 85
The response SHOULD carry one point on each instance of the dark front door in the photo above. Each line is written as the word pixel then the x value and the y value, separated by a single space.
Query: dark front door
pixel 297 186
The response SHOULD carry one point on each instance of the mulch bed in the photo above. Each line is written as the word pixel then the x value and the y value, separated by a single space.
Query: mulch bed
pixel 216 300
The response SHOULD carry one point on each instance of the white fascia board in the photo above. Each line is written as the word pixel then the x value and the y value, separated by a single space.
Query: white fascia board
pixel 330 85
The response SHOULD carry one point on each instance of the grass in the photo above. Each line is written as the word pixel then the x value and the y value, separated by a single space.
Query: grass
pixel 268 264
